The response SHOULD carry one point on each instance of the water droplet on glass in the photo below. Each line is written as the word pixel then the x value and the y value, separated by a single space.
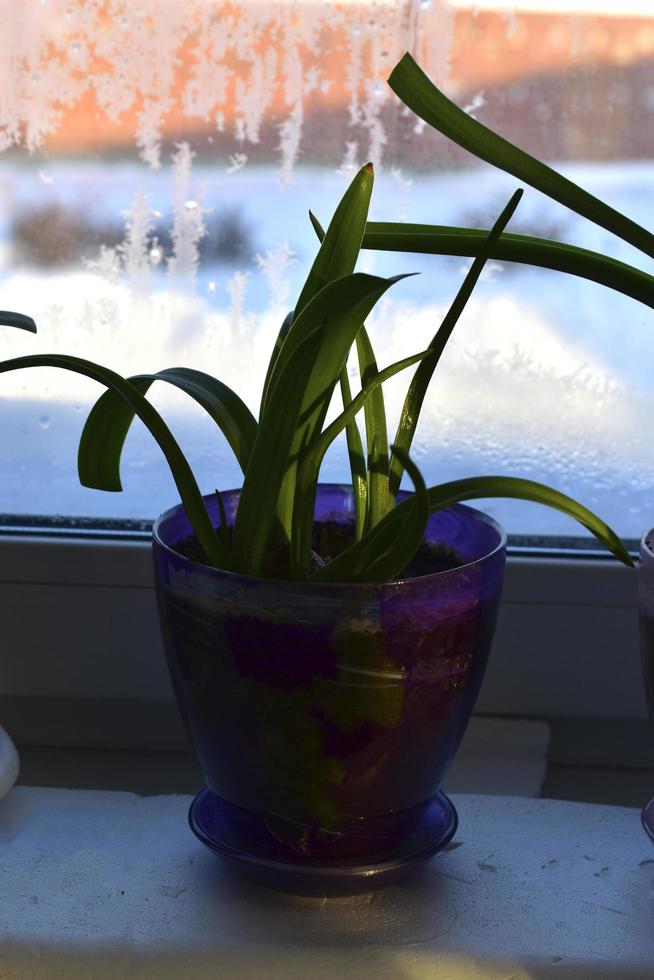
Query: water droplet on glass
pixel 191 205
pixel 157 214
pixel 155 256
pixel 44 421
pixel 425 4
pixel 378 88
pixel 211 288
pixel 76 47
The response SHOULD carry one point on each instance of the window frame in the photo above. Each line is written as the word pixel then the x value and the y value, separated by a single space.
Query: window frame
pixel 84 662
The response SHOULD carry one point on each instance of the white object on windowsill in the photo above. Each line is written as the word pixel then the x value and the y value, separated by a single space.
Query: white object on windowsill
pixel 9 763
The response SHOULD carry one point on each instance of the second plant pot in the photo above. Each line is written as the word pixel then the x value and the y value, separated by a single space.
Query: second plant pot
pixel 325 716
pixel 646 622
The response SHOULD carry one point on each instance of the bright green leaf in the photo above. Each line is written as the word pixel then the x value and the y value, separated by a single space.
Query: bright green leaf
pixel 296 410
pixel 420 94
pixel 418 388
pixel 386 550
pixel 558 256
pixel 357 460
pixel 311 459
pixel 181 471
pixel 106 428
pixel 475 488
pixel 341 243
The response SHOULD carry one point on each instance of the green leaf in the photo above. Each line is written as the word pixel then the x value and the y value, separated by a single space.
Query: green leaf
pixel 419 93
pixel 418 389
pixel 20 320
pixel 317 227
pixel 478 487
pixel 558 256
pixel 376 434
pixel 356 457
pixel 357 461
pixel 105 431
pixel 181 471
pixel 312 457
pixel 385 551
pixel 296 410
pixel 341 243
pixel 336 258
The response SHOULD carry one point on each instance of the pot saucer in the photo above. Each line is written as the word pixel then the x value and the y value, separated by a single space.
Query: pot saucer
pixel 648 817
pixel 212 822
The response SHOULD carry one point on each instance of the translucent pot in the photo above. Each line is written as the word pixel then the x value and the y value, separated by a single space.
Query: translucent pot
pixel 325 716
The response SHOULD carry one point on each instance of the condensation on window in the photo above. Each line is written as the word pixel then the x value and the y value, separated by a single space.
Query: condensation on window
pixel 158 162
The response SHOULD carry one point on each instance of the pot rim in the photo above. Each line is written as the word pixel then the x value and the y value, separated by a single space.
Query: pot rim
pixel 327 587
pixel 647 544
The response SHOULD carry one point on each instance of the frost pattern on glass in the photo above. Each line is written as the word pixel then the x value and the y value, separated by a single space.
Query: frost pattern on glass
pixel 161 161
pixel 142 65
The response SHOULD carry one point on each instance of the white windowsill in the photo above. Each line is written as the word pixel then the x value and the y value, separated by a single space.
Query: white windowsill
pixel 107 884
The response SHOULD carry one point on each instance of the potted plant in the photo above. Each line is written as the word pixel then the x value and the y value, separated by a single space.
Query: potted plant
pixel 326 643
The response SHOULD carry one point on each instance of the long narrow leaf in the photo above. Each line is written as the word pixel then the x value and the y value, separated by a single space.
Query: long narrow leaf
pixel 385 551
pixel 341 243
pixel 357 460
pixel 557 256
pixel 108 423
pixel 180 469
pixel 419 93
pixel 356 457
pixel 376 434
pixel 336 259
pixel 418 388
pixel 20 320
pixel 296 411
pixel 317 227
pixel 477 487
pixel 311 460
pixel 321 385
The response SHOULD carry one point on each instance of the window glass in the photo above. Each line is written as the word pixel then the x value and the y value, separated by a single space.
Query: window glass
pixel 159 160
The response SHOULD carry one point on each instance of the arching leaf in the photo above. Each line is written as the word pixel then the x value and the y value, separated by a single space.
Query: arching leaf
pixel 419 93
pixel 180 469
pixel 106 428
pixel 385 550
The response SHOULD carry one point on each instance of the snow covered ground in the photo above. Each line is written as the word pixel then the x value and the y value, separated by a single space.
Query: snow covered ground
pixel 546 377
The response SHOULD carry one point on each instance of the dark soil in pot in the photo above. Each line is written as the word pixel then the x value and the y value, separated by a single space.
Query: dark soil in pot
pixel 330 538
